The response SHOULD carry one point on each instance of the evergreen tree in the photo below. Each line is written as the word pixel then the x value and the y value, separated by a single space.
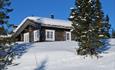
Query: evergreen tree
pixel 113 33
pixel 106 27
pixel 5 40
pixel 88 19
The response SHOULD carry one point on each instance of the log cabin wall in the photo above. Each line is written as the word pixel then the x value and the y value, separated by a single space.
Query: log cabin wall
pixel 30 26
pixel 59 33
pixel 42 34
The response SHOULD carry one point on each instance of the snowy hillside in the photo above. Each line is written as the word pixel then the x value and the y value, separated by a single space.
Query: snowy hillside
pixel 60 56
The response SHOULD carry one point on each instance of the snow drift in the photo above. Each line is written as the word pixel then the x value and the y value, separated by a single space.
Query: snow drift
pixel 60 56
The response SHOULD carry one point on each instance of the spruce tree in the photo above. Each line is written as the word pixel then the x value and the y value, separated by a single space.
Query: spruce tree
pixel 87 18
pixel 5 40
pixel 106 27
pixel 113 33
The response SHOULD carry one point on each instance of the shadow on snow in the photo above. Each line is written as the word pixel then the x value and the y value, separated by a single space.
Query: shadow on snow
pixel 20 49
pixel 42 65
pixel 105 47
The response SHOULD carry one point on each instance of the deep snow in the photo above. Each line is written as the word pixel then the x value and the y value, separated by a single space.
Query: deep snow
pixel 60 56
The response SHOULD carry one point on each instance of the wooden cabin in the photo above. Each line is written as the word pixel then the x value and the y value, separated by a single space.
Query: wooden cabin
pixel 39 29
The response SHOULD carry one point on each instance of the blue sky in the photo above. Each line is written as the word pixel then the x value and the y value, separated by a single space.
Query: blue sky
pixel 60 9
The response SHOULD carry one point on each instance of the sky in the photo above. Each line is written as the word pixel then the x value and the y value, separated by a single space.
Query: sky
pixel 59 8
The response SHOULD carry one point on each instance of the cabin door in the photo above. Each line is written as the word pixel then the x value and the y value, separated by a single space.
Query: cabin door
pixel 26 37
pixel 36 35
pixel 68 36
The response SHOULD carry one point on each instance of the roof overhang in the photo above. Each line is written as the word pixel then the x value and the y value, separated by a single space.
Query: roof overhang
pixel 47 22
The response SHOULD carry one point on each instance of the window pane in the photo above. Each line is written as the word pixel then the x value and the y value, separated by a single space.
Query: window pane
pixel 51 36
pixel 48 35
pixel 67 36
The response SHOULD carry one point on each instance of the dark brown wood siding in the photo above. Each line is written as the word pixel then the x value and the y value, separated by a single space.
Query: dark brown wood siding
pixel 28 28
pixel 59 33
pixel 42 35
pixel 31 36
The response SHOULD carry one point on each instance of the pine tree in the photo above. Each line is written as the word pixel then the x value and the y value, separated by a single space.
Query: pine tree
pixel 113 33
pixel 5 40
pixel 87 18
pixel 106 27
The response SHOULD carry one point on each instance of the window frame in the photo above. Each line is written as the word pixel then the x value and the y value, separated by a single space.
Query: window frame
pixel 26 37
pixel 50 34
pixel 68 36
pixel 36 35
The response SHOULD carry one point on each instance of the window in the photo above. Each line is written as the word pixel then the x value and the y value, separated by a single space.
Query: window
pixel 36 35
pixel 26 37
pixel 50 35
pixel 68 36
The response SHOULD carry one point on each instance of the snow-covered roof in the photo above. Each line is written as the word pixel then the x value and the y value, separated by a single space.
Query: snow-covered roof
pixel 46 21
pixel 6 36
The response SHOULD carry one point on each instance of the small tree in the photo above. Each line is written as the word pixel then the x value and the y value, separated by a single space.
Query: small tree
pixel 113 33
pixel 89 26
pixel 106 27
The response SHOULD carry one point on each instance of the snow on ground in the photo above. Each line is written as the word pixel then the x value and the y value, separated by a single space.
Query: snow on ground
pixel 61 56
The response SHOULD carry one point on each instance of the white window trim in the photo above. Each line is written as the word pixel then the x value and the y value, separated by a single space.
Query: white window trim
pixel 36 36
pixel 26 37
pixel 67 32
pixel 50 39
